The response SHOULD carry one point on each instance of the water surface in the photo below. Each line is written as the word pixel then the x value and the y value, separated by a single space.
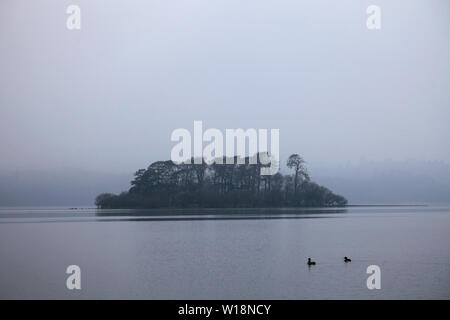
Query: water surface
pixel 225 254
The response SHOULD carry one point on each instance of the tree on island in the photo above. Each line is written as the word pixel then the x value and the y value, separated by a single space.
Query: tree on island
pixel 298 164
pixel 166 184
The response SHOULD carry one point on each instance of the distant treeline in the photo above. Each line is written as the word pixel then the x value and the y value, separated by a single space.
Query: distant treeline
pixel 166 184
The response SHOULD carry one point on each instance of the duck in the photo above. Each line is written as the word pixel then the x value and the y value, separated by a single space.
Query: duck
pixel 310 262
pixel 347 259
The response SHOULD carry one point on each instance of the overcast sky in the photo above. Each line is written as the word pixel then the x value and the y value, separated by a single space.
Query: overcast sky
pixel 108 96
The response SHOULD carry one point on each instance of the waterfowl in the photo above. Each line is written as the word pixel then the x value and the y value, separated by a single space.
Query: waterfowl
pixel 310 263
pixel 347 259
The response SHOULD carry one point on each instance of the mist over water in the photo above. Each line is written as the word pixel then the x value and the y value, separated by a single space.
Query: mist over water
pixel 387 182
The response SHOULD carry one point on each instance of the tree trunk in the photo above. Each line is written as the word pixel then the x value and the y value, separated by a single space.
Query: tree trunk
pixel 295 181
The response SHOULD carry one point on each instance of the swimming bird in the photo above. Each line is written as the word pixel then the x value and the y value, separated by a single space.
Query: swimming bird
pixel 347 259
pixel 311 263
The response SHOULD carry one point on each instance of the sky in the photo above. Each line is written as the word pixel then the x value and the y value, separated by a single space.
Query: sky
pixel 107 97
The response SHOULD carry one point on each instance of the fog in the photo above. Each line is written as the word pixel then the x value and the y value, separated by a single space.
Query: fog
pixel 387 182
pixel 105 99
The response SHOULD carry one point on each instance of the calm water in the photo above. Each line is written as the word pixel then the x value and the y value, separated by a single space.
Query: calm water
pixel 206 255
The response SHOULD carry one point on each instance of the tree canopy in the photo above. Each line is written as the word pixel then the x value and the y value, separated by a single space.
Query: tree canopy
pixel 166 184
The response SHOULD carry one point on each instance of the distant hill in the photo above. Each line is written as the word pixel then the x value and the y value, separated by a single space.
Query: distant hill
pixel 389 182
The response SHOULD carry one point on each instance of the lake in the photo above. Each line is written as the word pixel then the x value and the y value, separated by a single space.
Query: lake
pixel 225 254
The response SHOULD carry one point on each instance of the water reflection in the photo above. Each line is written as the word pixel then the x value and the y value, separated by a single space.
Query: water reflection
pixel 225 212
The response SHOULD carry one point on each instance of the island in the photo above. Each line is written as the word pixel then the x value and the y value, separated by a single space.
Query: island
pixel 165 184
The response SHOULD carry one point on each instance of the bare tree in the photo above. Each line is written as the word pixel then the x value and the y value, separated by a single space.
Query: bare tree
pixel 298 164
